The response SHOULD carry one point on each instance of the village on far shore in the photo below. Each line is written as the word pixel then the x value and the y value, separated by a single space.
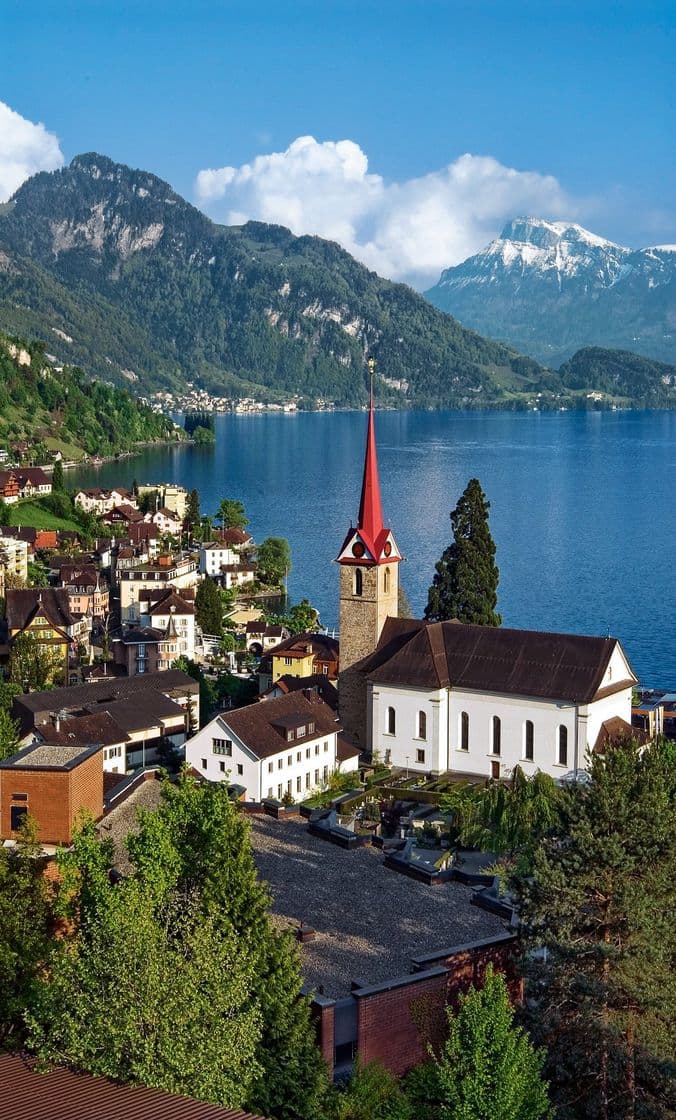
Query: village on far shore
pixel 153 639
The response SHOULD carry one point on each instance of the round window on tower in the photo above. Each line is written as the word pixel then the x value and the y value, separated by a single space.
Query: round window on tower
pixel 358 549
pixel 388 548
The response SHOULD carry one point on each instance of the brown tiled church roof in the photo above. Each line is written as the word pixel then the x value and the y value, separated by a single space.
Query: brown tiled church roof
pixel 489 659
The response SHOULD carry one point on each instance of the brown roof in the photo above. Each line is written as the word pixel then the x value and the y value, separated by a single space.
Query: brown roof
pixel 258 725
pixel 617 728
pixel 323 647
pixel 318 682
pixel 170 600
pixel 85 729
pixel 489 659
pixel 22 605
pixel 61 1094
pixel 233 536
pixel 99 695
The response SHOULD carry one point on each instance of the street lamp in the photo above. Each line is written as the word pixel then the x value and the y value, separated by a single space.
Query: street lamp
pixel 407 766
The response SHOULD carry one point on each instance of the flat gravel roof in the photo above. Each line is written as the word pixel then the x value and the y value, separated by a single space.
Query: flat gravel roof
pixel 369 919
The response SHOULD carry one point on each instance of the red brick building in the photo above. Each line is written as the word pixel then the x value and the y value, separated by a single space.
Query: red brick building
pixel 53 784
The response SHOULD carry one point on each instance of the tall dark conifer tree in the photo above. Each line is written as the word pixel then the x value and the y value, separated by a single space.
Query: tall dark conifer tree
pixel 600 899
pixel 465 585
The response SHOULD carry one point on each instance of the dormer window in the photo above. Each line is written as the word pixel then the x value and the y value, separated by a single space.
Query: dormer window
pixel 290 735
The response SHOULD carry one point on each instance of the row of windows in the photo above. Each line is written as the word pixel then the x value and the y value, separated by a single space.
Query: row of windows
pixel 223 766
pixel 299 783
pixel 299 757
pixel 528 749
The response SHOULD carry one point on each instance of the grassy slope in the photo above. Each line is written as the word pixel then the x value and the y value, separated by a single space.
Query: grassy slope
pixel 32 514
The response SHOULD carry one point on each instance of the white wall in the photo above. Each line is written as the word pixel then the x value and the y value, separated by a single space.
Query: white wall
pixel 443 710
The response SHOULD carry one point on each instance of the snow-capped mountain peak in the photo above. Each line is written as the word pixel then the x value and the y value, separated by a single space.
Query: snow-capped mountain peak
pixel 549 287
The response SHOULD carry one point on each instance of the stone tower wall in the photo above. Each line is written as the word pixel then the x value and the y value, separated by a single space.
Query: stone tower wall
pixel 362 618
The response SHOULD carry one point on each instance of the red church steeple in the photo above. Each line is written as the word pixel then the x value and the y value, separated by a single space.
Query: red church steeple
pixel 371 542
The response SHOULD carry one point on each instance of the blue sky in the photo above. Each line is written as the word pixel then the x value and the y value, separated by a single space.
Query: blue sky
pixel 579 93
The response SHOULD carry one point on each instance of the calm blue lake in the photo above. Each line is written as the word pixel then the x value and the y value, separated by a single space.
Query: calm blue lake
pixel 583 507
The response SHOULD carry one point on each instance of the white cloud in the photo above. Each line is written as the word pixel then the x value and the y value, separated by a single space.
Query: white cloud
pixel 409 230
pixel 25 148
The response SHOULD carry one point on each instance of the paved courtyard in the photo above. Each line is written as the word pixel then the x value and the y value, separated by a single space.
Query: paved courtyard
pixel 369 920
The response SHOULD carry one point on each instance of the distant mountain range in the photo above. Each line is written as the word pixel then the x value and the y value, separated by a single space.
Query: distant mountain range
pixel 119 274
pixel 550 288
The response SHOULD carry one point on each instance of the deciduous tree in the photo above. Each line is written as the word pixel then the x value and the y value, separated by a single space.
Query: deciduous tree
pixel 465 585
pixel 487 1068
pixel 26 930
pixel 274 559
pixel 198 843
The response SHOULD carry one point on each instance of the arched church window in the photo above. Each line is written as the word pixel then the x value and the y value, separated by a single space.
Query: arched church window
pixel 391 721
pixel 358 581
pixel 422 725
pixel 386 581
pixel 529 740
pixel 464 731
pixel 562 755
pixel 497 728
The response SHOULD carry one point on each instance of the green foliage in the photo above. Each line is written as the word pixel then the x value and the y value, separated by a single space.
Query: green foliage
pixel 199 420
pixel 600 900
pixel 192 510
pixel 207 690
pixel 465 586
pixel 487 1067
pixel 209 607
pixel 301 618
pixel 231 514
pixel 183 847
pixel 505 818
pixel 372 1093
pixel 57 476
pixel 273 557
pixel 39 401
pixel 9 734
pixel 26 931
pixel 621 374
pixel 151 993
pixel 203 437
pixel 35 666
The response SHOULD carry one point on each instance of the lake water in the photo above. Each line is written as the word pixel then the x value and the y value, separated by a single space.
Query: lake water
pixel 583 507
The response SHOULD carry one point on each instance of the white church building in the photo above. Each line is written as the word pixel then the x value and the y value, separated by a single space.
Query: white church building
pixel 446 696
pixel 432 697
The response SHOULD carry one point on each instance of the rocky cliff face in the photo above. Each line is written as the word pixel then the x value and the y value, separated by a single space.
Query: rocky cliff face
pixel 549 288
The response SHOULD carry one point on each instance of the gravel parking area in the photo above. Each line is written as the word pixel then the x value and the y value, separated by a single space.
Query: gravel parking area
pixel 369 920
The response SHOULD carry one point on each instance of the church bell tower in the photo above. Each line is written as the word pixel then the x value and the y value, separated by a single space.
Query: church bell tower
pixel 369 589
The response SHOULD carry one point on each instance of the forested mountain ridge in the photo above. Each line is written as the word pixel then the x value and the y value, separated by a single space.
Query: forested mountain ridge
pixel 551 288
pixel 149 288
pixel 62 409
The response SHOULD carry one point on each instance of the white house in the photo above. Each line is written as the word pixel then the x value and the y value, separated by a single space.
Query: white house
pixel 479 700
pixel 167 521
pixel 214 555
pixel 281 747
pixel 157 608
